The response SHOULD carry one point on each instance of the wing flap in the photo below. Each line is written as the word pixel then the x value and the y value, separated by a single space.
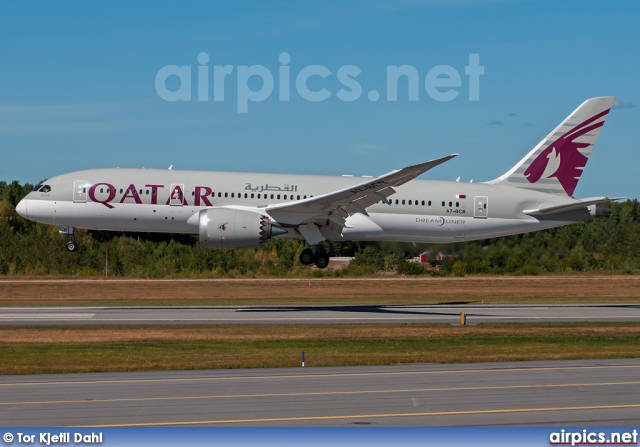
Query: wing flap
pixel 348 201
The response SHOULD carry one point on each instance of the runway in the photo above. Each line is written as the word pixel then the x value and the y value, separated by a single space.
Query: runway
pixel 319 314
pixel 583 393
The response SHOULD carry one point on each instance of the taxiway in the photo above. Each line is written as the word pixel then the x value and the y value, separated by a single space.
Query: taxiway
pixel 584 393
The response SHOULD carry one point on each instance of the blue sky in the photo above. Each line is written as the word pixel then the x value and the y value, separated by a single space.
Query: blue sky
pixel 78 88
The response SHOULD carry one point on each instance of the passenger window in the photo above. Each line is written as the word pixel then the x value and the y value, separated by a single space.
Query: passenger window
pixel 232 194
pixel 245 195
pixel 450 204
pixel 409 202
pixel 272 196
pixel 429 202
pixel 457 204
pixel 298 197
pixel 278 196
pixel 226 194
pixel 252 196
pixel 442 203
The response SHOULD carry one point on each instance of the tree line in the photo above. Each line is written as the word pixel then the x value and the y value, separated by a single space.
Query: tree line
pixel 606 243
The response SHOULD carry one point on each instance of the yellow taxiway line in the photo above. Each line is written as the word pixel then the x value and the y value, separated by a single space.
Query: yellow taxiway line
pixel 319 393
pixel 371 416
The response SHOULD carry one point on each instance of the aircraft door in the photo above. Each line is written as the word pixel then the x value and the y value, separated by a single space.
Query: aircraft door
pixel 481 208
pixel 177 194
pixel 80 191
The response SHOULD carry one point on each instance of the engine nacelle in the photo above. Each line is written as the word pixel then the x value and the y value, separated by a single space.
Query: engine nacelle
pixel 229 228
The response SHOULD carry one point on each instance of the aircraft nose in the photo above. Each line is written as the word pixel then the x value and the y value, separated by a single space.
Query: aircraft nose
pixel 21 208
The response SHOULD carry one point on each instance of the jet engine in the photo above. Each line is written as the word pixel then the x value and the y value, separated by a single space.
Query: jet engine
pixel 228 228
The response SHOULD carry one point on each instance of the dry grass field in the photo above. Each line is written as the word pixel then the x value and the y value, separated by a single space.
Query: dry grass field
pixel 488 290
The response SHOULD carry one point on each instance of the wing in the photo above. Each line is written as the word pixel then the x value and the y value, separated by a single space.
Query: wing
pixel 332 209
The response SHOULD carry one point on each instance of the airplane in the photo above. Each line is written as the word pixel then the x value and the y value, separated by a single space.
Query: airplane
pixel 235 210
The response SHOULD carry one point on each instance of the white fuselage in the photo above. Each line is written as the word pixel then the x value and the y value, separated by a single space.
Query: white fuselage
pixel 168 201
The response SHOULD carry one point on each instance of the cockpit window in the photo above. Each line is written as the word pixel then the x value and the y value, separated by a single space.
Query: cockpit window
pixel 45 188
pixel 37 187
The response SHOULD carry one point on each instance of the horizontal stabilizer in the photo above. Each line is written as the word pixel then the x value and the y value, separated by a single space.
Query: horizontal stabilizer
pixel 570 206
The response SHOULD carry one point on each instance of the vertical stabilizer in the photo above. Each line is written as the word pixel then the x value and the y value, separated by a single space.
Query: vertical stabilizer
pixel 556 163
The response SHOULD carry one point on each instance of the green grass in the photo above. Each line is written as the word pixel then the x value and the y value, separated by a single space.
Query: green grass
pixel 323 346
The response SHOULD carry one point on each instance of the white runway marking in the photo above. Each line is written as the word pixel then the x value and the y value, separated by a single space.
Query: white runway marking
pixel 46 316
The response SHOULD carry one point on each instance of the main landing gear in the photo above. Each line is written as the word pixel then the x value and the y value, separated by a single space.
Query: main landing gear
pixel 71 245
pixel 314 255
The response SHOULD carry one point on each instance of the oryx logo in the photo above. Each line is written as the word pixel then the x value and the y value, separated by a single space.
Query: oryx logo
pixel 223 226
pixel 562 159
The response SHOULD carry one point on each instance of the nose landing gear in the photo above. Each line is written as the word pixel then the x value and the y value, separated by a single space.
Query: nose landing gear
pixel 71 245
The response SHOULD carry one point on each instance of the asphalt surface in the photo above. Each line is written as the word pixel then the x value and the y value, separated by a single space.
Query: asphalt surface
pixel 319 314
pixel 584 393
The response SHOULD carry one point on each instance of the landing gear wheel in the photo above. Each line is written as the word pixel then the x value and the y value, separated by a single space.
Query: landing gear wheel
pixel 306 257
pixel 72 246
pixel 322 260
